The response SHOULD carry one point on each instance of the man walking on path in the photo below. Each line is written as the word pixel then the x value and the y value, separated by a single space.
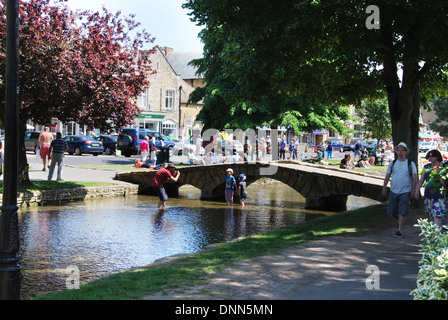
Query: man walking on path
pixel 404 181
pixel 57 148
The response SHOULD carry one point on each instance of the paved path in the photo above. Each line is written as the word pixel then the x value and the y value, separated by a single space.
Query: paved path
pixel 70 173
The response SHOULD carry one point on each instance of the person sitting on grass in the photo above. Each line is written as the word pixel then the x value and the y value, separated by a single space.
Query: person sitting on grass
pixel 346 163
pixel 316 159
pixel 363 163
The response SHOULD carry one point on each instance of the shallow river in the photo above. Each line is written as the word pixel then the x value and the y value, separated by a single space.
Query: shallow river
pixel 99 237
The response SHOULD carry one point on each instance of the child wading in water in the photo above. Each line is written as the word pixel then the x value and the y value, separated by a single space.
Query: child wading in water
pixel 230 186
pixel 242 188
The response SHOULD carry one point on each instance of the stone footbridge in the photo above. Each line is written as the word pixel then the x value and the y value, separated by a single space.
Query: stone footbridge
pixel 323 187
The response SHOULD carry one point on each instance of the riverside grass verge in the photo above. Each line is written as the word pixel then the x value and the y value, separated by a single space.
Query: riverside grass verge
pixel 193 269
pixel 39 185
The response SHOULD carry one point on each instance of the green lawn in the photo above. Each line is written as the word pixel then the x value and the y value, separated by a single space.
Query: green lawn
pixel 38 185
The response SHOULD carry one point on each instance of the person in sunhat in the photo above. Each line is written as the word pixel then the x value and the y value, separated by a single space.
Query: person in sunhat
pixel 230 186
pixel 403 184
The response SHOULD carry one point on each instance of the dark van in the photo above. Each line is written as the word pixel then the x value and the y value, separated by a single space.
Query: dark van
pixel 129 140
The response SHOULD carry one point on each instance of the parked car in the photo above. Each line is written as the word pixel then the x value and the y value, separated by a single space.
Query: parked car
pixel 83 144
pixel 351 145
pixel 31 140
pixel 109 143
pixel 183 147
pixel 336 144
pixel 129 140
pixel 426 146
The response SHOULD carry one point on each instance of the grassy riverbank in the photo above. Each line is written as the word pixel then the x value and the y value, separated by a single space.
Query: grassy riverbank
pixel 192 269
pixel 40 185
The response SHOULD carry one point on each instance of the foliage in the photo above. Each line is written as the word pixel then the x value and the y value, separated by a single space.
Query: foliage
pixel 240 94
pixel 375 116
pixel 440 107
pixel 322 52
pixel 432 283
pixel 436 175
pixel 75 66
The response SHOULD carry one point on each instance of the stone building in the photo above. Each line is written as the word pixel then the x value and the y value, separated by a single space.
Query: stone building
pixel 164 102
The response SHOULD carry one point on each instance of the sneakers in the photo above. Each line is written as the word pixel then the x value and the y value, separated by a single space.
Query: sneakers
pixel 397 234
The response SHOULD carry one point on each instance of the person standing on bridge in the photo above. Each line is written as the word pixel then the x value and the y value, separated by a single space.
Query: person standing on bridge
pixel 161 177
pixel 404 182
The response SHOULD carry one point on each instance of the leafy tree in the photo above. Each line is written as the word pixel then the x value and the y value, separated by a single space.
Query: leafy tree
pixel 376 119
pixel 74 66
pixel 239 95
pixel 324 51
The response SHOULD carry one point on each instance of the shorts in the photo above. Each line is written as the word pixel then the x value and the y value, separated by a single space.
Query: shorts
pixel 399 204
pixel 244 196
pixel 44 151
pixel 435 208
pixel 229 194
pixel 161 193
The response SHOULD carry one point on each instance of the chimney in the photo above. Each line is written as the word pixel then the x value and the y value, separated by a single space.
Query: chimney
pixel 166 50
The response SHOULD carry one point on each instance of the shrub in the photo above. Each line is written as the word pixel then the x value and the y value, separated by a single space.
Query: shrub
pixel 432 282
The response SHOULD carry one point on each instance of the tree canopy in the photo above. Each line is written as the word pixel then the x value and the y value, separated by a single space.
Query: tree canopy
pixel 374 115
pixel 75 66
pixel 324 53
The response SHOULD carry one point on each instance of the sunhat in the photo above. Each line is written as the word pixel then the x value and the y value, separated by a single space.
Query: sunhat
pixel 242 177
pixel 402 145
pixel 171 165
pixel 231 170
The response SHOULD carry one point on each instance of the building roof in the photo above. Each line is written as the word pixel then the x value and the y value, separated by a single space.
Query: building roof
pixel 179 61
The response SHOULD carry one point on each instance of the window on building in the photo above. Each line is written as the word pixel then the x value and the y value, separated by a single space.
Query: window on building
pixel 143 99
pixel 169 99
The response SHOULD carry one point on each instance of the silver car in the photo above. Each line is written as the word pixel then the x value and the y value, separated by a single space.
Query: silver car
pixel 31 140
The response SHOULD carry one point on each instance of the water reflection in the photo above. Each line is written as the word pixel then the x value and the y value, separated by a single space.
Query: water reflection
pixel 109 235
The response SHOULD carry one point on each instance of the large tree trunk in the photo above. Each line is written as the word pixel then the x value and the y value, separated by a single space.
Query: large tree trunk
pixel 404 107
pixel 403 95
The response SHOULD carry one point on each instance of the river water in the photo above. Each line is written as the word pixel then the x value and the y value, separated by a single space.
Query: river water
pixel 99 237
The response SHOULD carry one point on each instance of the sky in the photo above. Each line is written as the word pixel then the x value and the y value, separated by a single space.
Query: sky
pixel 165 20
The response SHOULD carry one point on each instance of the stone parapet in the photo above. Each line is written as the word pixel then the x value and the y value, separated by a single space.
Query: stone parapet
pixel 75 194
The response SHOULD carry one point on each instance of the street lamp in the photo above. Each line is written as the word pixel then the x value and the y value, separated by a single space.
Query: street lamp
pixel 10 274
pixel 180 109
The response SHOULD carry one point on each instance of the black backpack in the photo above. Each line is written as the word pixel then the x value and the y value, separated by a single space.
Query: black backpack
pixel 409 167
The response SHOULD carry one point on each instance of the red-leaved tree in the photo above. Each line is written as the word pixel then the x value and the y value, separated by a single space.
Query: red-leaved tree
pixel 78 66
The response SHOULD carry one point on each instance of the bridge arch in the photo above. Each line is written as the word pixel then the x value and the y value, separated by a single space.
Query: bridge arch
pixel 323 188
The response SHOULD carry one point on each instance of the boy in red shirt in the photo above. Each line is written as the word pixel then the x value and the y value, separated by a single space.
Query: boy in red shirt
pixel 160 178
